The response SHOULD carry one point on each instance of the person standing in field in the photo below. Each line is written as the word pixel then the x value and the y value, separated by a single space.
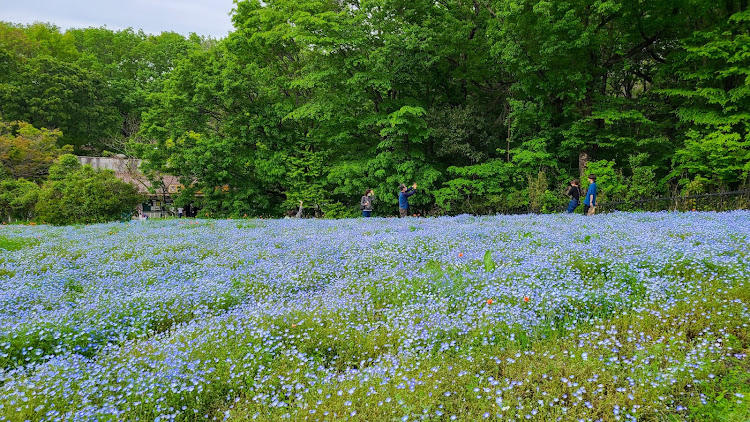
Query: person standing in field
pixel 298 214
pixel 574 192
pixel 589 202
pixel 365 204
pixel 403 199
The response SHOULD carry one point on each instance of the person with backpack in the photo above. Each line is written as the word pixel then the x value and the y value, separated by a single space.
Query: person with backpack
pixel 365 204
pixel 574 192
pixel 403 199
pixel 589 202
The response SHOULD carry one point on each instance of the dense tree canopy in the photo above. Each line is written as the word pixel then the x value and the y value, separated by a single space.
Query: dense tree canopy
pixel 27 152
pixel 92 84
pixel 489 105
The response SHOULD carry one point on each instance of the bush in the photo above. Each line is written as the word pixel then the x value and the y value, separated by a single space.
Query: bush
pixel 75 194
pixel 611 183
pixel 643 183
pixel 18 198
pixel 487 188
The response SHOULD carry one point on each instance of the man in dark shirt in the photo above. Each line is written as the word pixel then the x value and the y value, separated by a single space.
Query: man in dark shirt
pixel 574 191
pixel 403 199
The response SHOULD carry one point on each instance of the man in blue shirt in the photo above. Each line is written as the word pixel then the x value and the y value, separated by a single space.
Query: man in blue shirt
pixel 589 202
pixel 403 199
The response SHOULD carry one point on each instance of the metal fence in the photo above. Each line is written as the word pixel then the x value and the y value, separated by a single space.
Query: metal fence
pixel 723 201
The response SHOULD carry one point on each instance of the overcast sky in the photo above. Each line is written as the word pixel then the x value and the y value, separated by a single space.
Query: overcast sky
pixel 204 17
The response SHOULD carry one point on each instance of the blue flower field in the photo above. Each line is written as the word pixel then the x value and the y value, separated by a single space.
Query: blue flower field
pixel 627 316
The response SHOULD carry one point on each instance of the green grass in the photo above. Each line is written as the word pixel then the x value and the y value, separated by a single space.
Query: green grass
pixel 11 244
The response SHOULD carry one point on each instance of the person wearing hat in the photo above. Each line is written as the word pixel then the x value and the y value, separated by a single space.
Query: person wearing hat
pixel 403 199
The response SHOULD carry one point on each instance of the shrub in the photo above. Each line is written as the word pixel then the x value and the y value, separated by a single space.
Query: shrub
pixel 18 199
pixel 611 182
pixel 75 194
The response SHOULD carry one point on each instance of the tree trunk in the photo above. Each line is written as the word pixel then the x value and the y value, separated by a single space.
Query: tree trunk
pixel 583 160
pixel 510 133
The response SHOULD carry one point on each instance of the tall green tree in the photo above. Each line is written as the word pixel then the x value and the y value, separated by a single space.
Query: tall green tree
pixel 489 105
pixel 221 122
pixel 590 66
pixel 713 95
pixel 93 84
pixel 57 95
pixel 28 152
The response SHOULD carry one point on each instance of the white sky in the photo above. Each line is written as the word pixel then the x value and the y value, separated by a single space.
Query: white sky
pixel 207 17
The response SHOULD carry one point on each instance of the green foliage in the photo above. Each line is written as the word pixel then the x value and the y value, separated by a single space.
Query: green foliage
pixel 75 194
pixel 489 263
pixel 643 182
pixel 387 93
pixel 92 84
pixel 537 191
pixel 67 164
pixel 18 199
pixel 489 106
pixel 494 186
pixel 714 99
pixel 610 181
pixel 64 96
pixel 27 152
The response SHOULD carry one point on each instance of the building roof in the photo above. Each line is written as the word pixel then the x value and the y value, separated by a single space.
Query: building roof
pixel 126 169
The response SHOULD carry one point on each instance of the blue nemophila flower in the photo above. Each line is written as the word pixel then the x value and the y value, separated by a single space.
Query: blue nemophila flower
pixel 291 317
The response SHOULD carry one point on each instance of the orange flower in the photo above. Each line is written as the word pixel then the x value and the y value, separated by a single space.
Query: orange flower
pixel 490 301
pixel 460 255
pixel 525 298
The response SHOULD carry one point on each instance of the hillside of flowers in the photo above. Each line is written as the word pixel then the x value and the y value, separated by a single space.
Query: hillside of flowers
pixel 626 317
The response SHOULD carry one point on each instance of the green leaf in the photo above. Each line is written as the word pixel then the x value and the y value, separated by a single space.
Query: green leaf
pixel 489 264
